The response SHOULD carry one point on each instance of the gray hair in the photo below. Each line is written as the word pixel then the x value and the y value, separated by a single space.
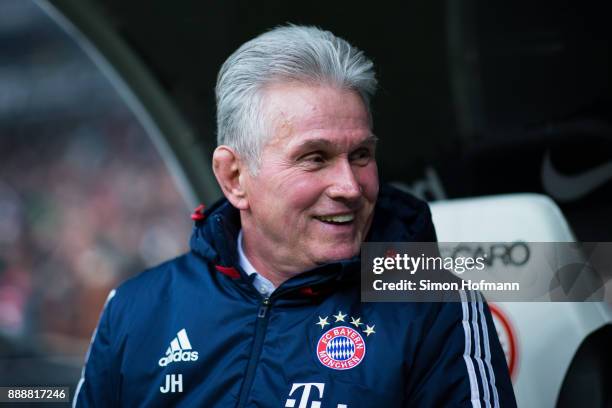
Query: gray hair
pixel 285 54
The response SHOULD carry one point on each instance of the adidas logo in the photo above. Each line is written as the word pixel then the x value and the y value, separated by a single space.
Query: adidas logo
pixel 179 350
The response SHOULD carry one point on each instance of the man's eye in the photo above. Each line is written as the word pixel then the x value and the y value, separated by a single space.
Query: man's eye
pixel 315 158
pixel 361 156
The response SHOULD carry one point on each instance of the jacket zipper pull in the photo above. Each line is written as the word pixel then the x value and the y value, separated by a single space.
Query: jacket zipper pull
pixel 263 309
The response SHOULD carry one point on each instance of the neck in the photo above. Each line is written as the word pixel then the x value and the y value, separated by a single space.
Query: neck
pixel 268 260
pixel 265 266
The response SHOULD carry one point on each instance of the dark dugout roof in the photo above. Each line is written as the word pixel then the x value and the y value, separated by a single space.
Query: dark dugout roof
pixel 185 43
pixel 474 95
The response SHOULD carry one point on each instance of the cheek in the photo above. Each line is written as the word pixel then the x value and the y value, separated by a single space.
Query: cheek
pixel 294 191
pixel 304 191
pixel 368 179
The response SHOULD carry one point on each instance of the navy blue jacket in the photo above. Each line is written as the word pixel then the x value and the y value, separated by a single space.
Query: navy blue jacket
pixel 195 332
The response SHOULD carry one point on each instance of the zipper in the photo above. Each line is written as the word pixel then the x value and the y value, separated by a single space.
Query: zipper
pixel 263 309
pixel 260 332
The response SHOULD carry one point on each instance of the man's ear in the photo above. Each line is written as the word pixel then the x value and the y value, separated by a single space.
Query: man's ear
pixel 229 171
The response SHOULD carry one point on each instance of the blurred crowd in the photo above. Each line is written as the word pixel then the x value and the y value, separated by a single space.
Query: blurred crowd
pixel 80 210
pixel 85 199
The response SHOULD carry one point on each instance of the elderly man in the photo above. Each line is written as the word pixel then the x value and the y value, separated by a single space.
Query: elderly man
pixel 265 310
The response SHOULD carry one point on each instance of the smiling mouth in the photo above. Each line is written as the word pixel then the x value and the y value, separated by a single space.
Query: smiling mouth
pixel 336 219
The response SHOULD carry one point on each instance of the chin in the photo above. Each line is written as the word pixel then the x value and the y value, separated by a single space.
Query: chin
pixel 338 253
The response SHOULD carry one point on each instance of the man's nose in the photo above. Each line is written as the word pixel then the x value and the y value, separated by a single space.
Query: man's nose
pixel 344 184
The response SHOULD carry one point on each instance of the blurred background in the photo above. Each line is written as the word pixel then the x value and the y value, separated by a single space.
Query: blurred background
pixel 107 125
pixel 85 199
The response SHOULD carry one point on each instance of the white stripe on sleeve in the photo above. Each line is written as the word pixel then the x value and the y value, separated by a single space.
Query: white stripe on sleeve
pixel 488 351
pixel 477 354
pixel 93 338
pixel 475 396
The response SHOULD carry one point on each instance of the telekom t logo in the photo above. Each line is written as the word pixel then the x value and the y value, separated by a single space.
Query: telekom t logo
pixel 290 403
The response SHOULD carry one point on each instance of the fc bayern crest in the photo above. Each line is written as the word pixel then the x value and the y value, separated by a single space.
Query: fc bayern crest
pixel 341 348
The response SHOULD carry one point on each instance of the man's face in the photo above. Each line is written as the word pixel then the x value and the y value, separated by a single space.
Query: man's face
pixel 312 200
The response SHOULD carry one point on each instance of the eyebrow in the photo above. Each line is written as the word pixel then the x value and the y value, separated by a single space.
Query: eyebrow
pixel 319 143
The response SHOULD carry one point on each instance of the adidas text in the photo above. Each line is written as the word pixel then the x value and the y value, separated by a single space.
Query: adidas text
pixel 178 356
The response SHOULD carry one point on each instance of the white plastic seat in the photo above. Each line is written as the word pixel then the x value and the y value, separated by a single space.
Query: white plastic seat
pixel 545 335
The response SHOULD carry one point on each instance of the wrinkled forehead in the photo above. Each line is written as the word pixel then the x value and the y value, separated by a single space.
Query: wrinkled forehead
pixel 291 108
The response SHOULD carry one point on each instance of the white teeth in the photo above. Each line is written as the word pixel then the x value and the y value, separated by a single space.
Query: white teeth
pixel 337 218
